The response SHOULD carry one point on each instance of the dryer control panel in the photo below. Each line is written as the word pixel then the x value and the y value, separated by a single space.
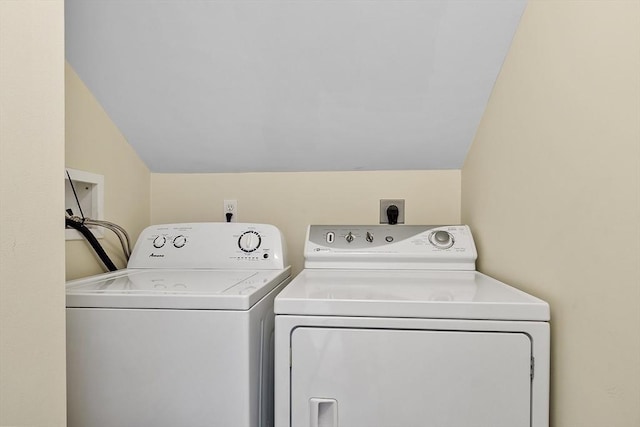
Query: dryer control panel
pixel 212 245
pixel 423 247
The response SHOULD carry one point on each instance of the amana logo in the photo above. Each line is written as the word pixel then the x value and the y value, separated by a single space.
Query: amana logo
pixel 156 255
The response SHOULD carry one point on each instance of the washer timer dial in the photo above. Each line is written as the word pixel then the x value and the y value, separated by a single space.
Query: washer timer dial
pixel 249 241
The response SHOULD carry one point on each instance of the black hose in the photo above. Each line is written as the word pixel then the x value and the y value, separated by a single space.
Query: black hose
pixel 93 242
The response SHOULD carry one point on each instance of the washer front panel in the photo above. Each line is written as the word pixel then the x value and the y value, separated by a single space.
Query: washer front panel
pixel 158 368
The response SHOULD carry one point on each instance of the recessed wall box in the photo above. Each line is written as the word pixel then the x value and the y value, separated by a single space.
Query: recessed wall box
pixel 89 189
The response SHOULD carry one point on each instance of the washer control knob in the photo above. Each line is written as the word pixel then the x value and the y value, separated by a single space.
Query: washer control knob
pixel 369 237
pixel 249 241
pixel 159 241
pixel 179 241
pixel 441 239
pixel 349 237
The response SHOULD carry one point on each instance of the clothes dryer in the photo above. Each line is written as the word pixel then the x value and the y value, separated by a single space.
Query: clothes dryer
pixel 392 326
pixel 183 336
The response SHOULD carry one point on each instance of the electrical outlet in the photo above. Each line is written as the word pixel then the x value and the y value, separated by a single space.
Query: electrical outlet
pixel 384 205
pixel 230 207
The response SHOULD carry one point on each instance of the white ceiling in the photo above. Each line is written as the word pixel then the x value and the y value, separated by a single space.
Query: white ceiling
pixel 292 85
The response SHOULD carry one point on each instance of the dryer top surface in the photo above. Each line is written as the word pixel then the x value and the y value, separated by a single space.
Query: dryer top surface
pixel 407 294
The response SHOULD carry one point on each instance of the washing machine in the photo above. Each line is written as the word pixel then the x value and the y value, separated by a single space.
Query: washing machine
pixel 183 336
pixel 392 326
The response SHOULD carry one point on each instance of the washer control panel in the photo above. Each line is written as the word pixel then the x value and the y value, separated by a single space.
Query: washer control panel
pixel 390 246
pixel 209 245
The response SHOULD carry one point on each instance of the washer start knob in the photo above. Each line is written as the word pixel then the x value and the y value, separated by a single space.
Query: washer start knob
pixel 249 241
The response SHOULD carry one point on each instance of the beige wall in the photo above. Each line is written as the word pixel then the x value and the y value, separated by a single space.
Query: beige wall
pixel 94 144
pixel 551 188
pixel 291 201
pixel 32 339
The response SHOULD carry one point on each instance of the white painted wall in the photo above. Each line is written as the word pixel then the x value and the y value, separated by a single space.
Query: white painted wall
pixel 32 328
pixel 286 86
pixel 551 189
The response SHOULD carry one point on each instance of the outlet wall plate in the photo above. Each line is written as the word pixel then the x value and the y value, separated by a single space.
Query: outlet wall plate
pixel 230 206
pixel 385 203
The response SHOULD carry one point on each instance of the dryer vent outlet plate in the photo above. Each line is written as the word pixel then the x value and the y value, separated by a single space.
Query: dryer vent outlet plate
pixel 384 205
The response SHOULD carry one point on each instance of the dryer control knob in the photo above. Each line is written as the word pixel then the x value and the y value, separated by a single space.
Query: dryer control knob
pixel 330 237
pixel 441 239
pixel 349 237
pixel 249 241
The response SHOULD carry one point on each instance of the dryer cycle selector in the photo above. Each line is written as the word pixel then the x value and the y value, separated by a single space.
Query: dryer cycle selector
pixel 441 239
pixel 249 241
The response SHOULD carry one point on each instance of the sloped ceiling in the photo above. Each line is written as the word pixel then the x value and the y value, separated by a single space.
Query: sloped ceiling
pixel 292 85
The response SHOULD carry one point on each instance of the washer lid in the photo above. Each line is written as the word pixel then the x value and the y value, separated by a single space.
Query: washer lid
pixel 416 294
pixel 175 289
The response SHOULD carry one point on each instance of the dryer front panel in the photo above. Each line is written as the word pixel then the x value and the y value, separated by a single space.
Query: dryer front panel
pixel 361 377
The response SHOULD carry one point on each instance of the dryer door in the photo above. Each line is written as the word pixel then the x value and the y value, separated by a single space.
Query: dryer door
pixel 394 377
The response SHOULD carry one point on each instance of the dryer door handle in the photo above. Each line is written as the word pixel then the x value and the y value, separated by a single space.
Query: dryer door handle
pixel 323 412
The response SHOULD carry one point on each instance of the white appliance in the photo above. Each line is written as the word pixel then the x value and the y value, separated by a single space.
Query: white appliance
pixel 391 326
pixel 183 336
